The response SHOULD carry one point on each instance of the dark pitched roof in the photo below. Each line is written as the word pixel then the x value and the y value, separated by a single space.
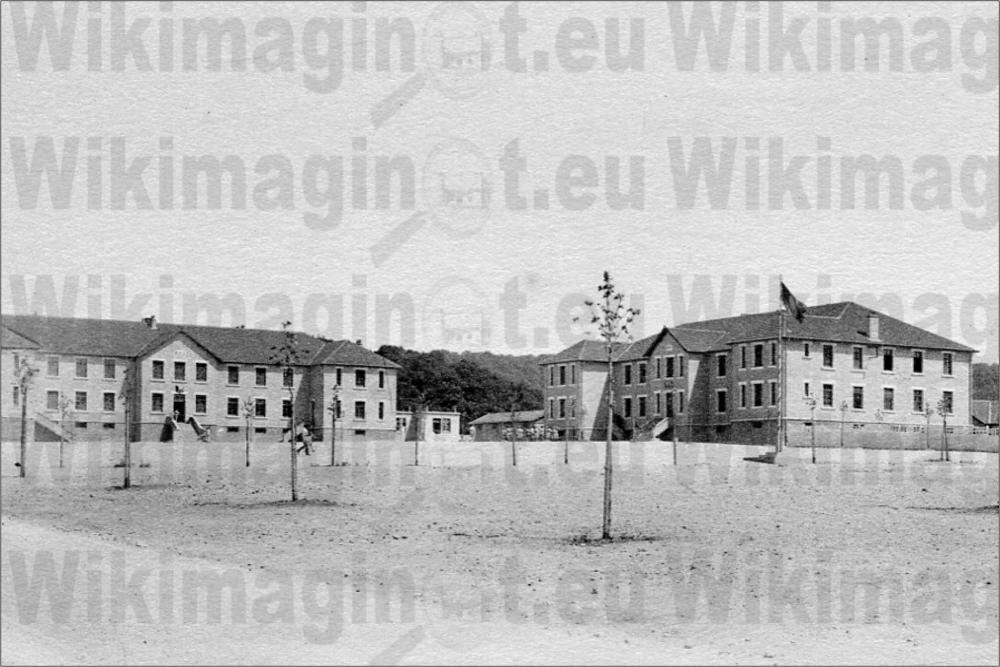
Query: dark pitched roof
pixel 346 353
pixel 584 350
pixel 505 417
pixel 845 322
pixel 117 338
pixel 986 412
pixel 12 339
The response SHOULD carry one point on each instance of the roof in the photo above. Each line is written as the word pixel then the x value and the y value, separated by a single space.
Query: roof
pixel 507 418
pixel 584 350
pixel 12 339
pixel 845 322
pixel 237 345
pixel 986 412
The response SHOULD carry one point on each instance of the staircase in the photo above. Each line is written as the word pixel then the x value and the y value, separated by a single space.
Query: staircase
pixel 53 427
pixel 660 427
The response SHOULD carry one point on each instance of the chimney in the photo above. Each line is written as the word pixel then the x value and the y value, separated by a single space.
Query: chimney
pixel 873 333
pixel 150 321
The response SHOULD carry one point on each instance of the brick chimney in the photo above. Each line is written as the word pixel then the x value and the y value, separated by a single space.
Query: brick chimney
pixel 873 332
pixel 150 321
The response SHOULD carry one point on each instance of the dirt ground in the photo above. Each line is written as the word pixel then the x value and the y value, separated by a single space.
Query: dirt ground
pixel 866 556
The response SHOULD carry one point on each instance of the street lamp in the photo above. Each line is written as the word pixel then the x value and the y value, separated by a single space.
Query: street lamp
pixel 333 407
pixel 811 402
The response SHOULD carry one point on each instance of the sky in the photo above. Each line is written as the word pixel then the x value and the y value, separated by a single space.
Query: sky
pixel 404 182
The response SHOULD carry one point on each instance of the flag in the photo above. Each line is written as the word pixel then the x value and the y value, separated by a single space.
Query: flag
pixel 794 306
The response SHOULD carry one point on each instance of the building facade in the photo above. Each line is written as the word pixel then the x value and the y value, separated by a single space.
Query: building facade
pixel 227 380
pixel 725 380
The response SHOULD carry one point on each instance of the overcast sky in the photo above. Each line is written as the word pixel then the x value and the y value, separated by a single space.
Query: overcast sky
pixel 467 273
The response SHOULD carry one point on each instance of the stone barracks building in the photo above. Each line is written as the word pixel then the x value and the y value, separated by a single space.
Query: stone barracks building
pixel 718 380
pixel 226 378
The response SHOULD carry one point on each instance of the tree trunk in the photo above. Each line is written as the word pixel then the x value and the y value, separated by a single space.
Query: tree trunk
pixel 247 440
pixel 606 525
pixel 24 434
pixel 333 438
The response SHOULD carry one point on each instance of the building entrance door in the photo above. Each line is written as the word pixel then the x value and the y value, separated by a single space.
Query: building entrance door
pixel 180 408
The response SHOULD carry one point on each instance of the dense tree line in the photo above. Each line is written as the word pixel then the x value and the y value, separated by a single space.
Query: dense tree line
pixel 443 380
pixel 986 381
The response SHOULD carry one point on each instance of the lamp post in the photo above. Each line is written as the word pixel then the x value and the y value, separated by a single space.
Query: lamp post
pixel 811 402
pixel 843 416
pixel 248 412
pixel 333 407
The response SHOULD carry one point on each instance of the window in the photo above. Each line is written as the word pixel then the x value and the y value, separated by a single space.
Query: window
pixel 628 374
pixel 381 410
pixel 642 406
pixel 827 356
pixel 774 354
pixel 668 401
pixel 157 369
pixel 201 371
pixel 52 400
pixel 109 369
pixel 772 386
pixel 381 379
pixel 827 395
pixel 260 407
pixel 948 398
pixel 720 365
pixel 658 368
pixel 572 374
pixel 260 376
pixel 946 363
pixel 340 409
pixel 562 375
pixel 233 406
pixel 340 377
pixel 287 377
pixel 52 367
pixel 200 404
pixel 758 394
pixel 15 395
pixel 441 425
pixel 286 407
pixel 743 356
pixel 858 398
pixel 680 365
pixel 758 355
pixel 552 408
pixel 81 368
pixel 233 374
pixel 680 402
pixel 805 350
pixel 108 425
pixel 720 400
pixel 552 376
pixel 180 371
pixel 887 358
pixel 805 389
pixel 627 407
pixel 918 362
pixel 360 378
pixel 359 409
pixel 859 357
pixel 109 401
pixel 642 372
pixel 670 367
pixel 81 400
pixel 743 395
pixel 156 402
pixel 562 408
pixel 657 403
pixel 888 399
pixel 572 408
pixel 918 400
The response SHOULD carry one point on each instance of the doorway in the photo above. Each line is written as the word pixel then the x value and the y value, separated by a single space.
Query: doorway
pixel 180 408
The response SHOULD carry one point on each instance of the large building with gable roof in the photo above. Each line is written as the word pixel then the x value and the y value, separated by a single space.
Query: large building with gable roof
pixel 718 380
pixel 215 374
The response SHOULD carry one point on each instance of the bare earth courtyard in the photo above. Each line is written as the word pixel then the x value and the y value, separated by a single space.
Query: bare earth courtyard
pixel 866 556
